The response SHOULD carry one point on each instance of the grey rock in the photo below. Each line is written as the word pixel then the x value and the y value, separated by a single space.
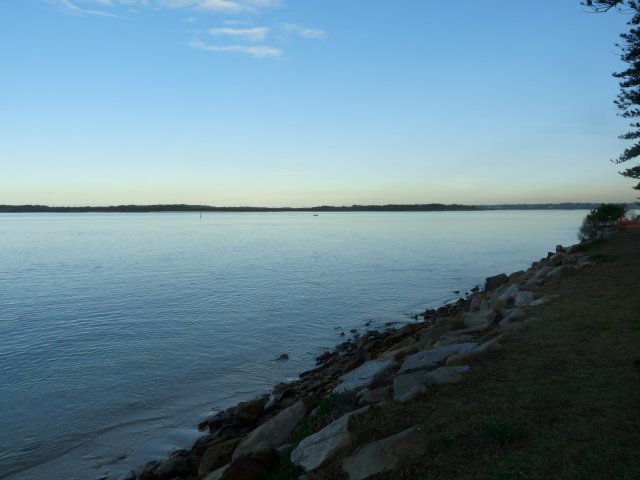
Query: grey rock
pixel 176 466
pixel 479 320
pixel 509 293
pixel 493 344
pixel 408 386
pixel 491 283
pixel 386 454
pixel 273 433
pixel 445 375
pixel 317 449
pixel 558 271
pixel 217 455
pixel 511 315
pixel 430 358
pixel 556 259
pixel 216 474
pixel 523 299
pixel 544 300
pixel 364 375
pixel 540 276
pixel 375 396
pixel 441 326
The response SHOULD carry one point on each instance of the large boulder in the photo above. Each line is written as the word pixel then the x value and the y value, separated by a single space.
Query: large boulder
pixel 511 315
pixel 255 466
pixel 386 454
pixel 509 293
pixel 479 320
pixel 488 346
pixel 315 450
pixel 491 283
pixel 445 375
pixel 442 326
pixel 430 358
pixel 409 386
pixel 540 276
pixel 523 299
pixel 364 375
pixel 273 433
pixel 375 396
pixel 217 455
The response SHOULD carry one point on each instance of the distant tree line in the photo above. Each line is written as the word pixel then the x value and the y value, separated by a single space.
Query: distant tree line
pixel 427 207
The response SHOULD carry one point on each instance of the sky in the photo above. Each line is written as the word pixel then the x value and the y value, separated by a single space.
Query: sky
pixel 308 102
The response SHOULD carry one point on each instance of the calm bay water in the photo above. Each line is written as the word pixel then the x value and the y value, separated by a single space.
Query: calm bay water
pixel 119 332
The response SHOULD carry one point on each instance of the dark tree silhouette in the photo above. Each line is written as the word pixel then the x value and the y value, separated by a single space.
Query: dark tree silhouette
pixel 628 100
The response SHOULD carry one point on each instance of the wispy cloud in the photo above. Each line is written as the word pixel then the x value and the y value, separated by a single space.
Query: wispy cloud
pixel 303 31
pixel 253 34
pixel 237 33
pixel 255 51
pixel 67 6
pixel 223 6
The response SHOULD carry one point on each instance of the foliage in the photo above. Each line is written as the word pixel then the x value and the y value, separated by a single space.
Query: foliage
pixel 329 408
pixel 601 219
pixel 628 100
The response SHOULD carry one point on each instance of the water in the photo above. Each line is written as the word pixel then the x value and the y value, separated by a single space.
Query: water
pixel 119 332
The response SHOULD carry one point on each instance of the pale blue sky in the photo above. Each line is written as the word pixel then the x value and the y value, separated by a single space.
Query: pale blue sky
pixel 308 102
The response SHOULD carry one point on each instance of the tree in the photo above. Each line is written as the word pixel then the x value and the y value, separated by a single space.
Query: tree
pixel 628 100
pixel 601 220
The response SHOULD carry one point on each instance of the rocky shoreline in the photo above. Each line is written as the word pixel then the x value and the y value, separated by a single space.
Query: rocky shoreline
pixel 306 424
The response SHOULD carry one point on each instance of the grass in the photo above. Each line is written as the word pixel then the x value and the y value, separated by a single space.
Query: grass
pixel 560 400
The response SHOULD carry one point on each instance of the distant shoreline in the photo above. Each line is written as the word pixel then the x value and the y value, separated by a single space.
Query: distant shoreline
pixel 430 207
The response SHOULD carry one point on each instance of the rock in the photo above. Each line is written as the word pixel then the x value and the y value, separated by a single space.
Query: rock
pixel 485 347
pixel 217 455
pixel 386 454
pixel 479 320
pixel 516 276
pixel 175 466
pixel 476 302
pixel 364 375
pixel 558 271
pixel 217 474
pixel 250 411
pixel 273 433
pixel 492 283
pixel 284 356
pixel 559 249
pixel 430 358
pixel 523 299
pixel 148 470
pixel 539 277
pixel 255 466
pixel 511 315
pixel 127 476
pixel 317 449
pixel 453 337
pixel 441 326
pixel 375 396
pixel 556 259
pixel 400 350
pixel 445 375
pixel 509 293
pixel 544 300
pixel 408 386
